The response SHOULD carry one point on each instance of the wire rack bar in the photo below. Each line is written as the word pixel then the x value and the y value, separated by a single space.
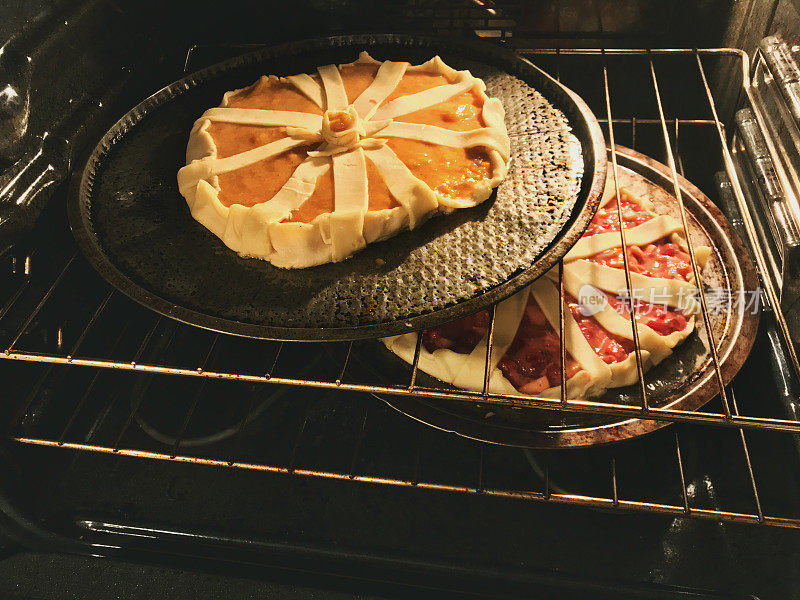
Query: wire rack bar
pixel 89 389
pixel 344 365
pixel 79 406
pixel 748 463
pixel 712 342
pixel 37 386
pixel 145 343
pixel 359 439
pixel 140 396
pixel 637 348
pixel 415 363
pixel 269 373
pixel 487 366
pixel 558 498
pixel 562 347
pixel 614 492
pixel 247 416
pixel 195 398
pixel 14 297
pixel 679 456
pixel 290 464
pixel 187 418
pixel 676 134
pixel 573 405
pixel 631 51
pixel 92 321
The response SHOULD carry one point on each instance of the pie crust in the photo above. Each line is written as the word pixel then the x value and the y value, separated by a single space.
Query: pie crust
pixel 354 139
pixel 587 276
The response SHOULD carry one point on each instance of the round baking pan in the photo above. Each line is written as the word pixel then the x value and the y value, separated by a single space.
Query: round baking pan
pixel 136 230
pixel 685 380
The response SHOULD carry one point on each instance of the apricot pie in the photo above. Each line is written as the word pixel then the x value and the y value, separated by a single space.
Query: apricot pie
pixel 308 169
pixel 526 355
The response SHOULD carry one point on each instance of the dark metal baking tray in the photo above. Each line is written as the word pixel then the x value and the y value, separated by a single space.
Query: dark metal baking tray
pixel 134 228
pixel 686 380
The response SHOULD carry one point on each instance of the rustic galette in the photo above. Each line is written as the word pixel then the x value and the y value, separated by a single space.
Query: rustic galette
pixel 309 169
pixel 526 356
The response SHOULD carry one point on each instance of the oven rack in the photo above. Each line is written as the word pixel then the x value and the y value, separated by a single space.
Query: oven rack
pixel 61 340
pixel 726 417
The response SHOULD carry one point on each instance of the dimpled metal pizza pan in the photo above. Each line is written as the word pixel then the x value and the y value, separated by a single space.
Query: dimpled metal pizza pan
pixel 134 227
pixel 685 380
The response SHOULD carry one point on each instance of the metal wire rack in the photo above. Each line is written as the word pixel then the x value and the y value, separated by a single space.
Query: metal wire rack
pixel 77 321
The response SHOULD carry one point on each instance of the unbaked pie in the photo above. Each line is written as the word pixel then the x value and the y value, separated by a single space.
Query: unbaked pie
pixel 526 355
pixel 309 169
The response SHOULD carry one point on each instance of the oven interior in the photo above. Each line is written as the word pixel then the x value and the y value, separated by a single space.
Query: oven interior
pixel 228 453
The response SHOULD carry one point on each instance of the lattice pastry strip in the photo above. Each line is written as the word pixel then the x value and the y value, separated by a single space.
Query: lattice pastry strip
pixel 356 141
pixel 597 326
